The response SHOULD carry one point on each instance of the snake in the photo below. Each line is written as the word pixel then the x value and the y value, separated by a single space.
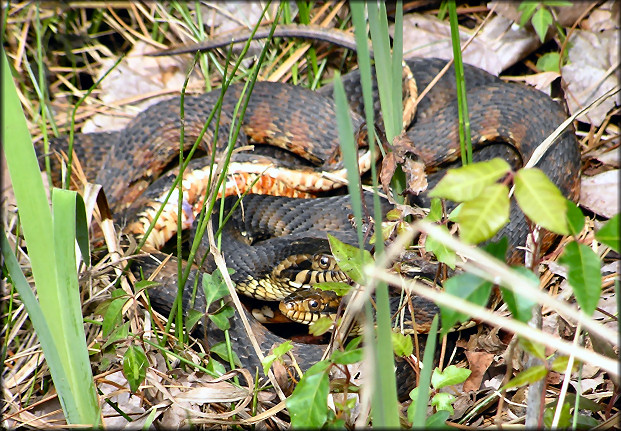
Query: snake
pixel 272 236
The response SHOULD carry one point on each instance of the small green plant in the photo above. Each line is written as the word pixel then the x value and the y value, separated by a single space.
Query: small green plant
pixel 540 15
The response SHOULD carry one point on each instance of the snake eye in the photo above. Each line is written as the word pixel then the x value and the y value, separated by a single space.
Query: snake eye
pixel 324 261
pixel 313 304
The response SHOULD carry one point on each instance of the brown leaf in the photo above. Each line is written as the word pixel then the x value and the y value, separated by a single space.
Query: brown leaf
pixel 479 363
pixel 415 176
pixel 389 165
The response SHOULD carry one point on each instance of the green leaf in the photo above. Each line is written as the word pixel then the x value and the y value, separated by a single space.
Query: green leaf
pixel 609 234
pixel 347 357
pixel 527 377
pixel 402 344
pixel 559 364
pixel 575 218
pixel 527 8
pixel 498 249
pixel 482 217
pixel 435 210
pixel 437 420
pixel 542 20
pixel 119 333
pixel 338 287
pixel 541 200
pixel 277 353
pixel 214 286
pixel 468 182
pixel 549 62
pixel 442 252
pixel 466 286
pixel 194 316
pixel 308 404
pixel 443 401
pixel 135 366
pixel 521 306
pixel 583 274
pixel 451 375
pixel 536 349
pixel 221 350
pixel 320 326
pixel 221 318
pixel 350 259
pixel 564 421
pixel 113 316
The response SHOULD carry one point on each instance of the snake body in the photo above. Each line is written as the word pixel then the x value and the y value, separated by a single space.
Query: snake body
pixel 509 120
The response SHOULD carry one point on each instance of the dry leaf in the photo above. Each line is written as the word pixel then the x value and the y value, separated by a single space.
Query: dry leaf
pixel 600 193
pixel 592 70
pixel 478 362
pixel 145 80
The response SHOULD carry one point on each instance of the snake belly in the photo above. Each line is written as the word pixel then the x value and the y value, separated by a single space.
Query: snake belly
pixel 509 120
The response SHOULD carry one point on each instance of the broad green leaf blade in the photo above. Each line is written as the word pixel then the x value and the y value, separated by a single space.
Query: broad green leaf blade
pixel 402 344
pixel 451 375
pixel 214 287
pixel 583 275
pixel 466 286
pixel 541 200
pixel 135 366
pixel 609 234
pixel 65 306
pixel 480 218
pixel 527 377
pixel 521 307
pixel 348 357
pixel 443 401
pixel 575 218
pixel 466 183
pixel 528 9
pixel 442 252
pixel 542 20
pixel 80 404
pixel 308 404
pixel 35 314
pixel 221 318
pixel 350 259
pixel 81 232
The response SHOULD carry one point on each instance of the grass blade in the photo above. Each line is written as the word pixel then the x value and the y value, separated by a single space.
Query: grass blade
pixel 56 286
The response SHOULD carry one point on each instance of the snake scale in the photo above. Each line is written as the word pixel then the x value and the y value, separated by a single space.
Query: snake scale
pixel 507 120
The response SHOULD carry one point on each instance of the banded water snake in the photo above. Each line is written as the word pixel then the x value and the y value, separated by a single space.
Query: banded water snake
pixel 506 119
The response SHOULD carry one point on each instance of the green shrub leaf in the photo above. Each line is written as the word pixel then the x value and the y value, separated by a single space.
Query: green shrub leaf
pixel 609 234
pixel 466 286
pixel 583 274
pixel 542 20
pixel 443 401
pixel 575 218
pixel 442 252
pixel 466 183
pixel 308 404
pixel 527 377
pixel 541 200
pixel 350 258
pixel 549 62
pixel 451 375
pixel 402 344
pixel 521 306
pixel 482 217
pixel 528 9
pixel 135 366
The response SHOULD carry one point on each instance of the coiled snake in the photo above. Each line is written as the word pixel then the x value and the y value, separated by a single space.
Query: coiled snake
pixel 509 120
